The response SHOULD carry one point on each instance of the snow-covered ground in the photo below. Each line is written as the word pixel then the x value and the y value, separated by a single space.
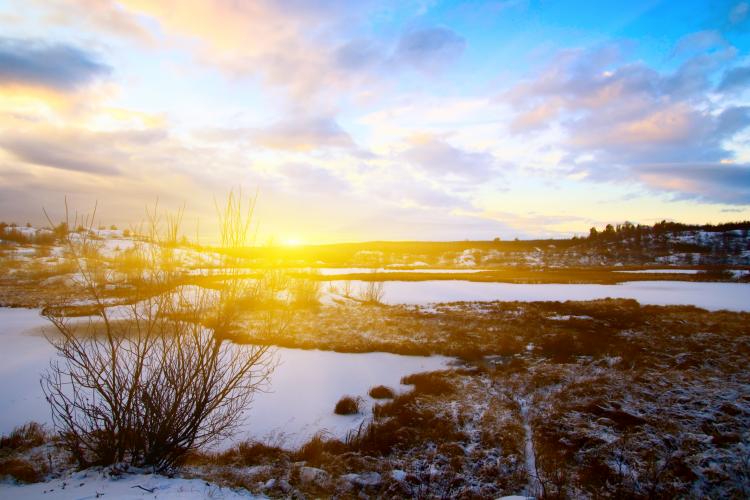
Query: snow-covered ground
pixel 299 401
pixel 711 296
pixel 95 483
pixel 335 271
pixel 663 271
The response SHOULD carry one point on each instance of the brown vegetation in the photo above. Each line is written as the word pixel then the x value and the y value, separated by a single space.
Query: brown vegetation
pixel 381 392
pixel 348 405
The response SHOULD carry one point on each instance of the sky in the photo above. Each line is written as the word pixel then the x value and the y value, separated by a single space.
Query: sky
pixel 404 120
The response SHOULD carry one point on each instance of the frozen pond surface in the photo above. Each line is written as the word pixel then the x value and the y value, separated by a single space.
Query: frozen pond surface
pixel 663 271
pixel 301 396
pixel 25 354
pixel 335 271
pixel 711 296
pixel 307 384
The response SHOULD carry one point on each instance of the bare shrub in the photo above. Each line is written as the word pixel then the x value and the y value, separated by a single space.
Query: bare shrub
pixel 373 292
pixel 148 383
pixel 305 291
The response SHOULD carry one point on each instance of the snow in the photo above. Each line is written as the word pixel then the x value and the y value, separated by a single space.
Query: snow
pixel 335 271
pixel 93 483
pixel 528 452
pixel 299 402
pixel 663 271
pixel 307 384
pixel 22 359
pixel 707 295
pixel 567 317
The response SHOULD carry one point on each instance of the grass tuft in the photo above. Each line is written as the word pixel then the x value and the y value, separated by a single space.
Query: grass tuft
pixel 348 405
pixel 24 437
pixel 20 470
pixel 381 392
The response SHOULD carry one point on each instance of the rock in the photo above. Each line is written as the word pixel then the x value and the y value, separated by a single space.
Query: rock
pixel 284 486
pixel 398 475
pixel 313 475
pixel 257 470
pixel 364 479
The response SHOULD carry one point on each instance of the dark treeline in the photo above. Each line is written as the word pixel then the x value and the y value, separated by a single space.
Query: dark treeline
pixel 628 229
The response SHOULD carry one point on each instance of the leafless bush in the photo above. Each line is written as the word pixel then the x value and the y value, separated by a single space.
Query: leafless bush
pixel 149 382
pixel 306 290
pixel 373 292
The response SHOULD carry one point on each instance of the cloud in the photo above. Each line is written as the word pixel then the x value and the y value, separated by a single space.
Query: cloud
pixel 307 179
pixel 312 52
pixel 435 156
pixel 99 153
pixel 57 66
pixel 103 15
pixel 739 13
pixel 406 191
pixel 303 135
pixel 735 80
pixel 429 49
pixel 618 120
pixel 713 182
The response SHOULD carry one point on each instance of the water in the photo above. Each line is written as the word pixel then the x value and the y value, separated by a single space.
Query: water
pixel 711 296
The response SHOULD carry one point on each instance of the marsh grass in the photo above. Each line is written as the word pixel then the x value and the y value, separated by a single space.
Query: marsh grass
pixel 381 392
pixel 20 470
pixel 24 437
pixel 348 405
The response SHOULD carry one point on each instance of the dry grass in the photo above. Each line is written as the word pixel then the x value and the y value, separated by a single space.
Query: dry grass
pixel 381 392
pixel 348 405
pixel 20 470
pixel 24 437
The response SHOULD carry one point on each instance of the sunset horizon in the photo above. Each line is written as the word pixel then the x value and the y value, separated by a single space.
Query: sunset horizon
pixel 378 121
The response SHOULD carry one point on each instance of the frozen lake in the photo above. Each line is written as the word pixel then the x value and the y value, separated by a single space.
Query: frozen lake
pixel 335 271
pixel 299 401
pixel 708 295
pixel 307 383
pixel 662 271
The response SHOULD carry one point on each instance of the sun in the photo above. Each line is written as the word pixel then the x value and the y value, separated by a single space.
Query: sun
pixel 292 241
